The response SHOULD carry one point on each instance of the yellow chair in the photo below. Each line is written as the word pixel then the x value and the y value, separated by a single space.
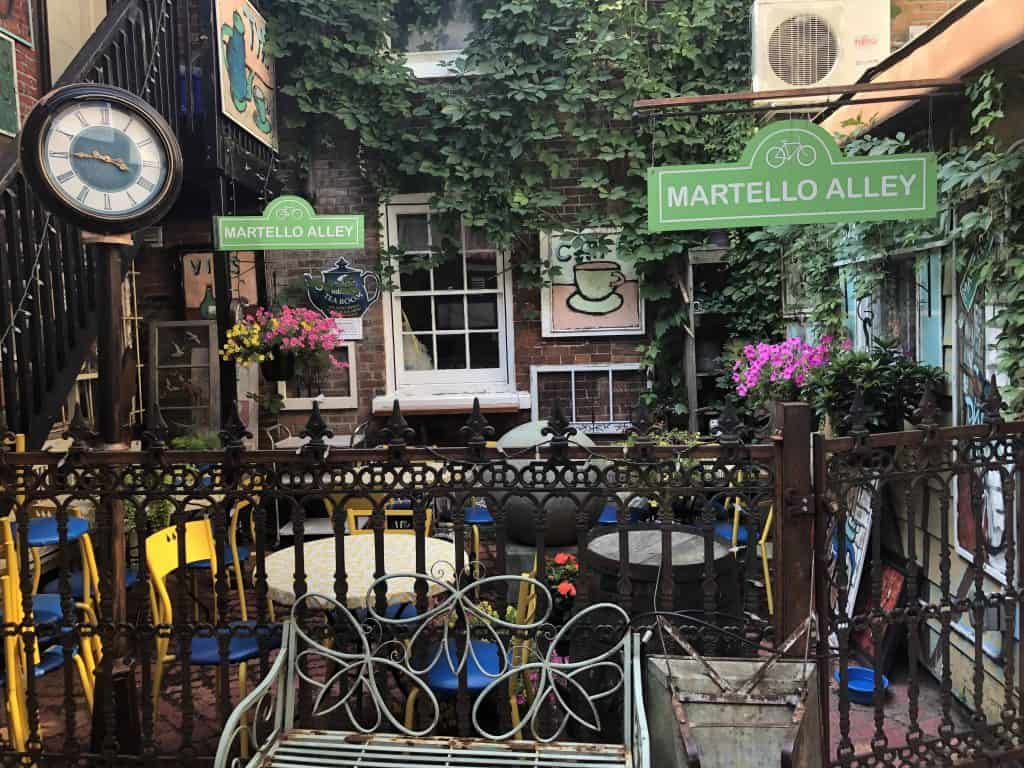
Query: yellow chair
pixel 395 520
pixel 162 559
pixel 44 661
pixel 42 532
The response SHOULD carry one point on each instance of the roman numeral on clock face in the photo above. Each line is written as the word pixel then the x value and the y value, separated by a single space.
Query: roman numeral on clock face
pixel 82 120
pixel 106 202
pixel 82 194
pixel 146 184
pixel 59 155
pixel 66 176
pixel 105 115
pixel 145 143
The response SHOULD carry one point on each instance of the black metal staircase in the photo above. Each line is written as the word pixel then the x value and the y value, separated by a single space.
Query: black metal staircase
pixel 48 293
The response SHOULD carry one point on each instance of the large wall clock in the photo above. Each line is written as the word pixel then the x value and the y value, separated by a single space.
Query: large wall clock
pixel 101 158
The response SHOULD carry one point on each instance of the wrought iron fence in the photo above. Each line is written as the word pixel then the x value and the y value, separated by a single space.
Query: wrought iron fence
pixel 179 646
pixel 941 509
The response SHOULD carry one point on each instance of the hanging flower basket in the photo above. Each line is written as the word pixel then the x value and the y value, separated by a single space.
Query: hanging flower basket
pixel 282 340
pixel 280 368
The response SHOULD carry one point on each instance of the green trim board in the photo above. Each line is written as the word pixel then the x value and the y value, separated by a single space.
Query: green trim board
pixel 24 32
pixel 288 223
pixel 10 107
pixel 791 172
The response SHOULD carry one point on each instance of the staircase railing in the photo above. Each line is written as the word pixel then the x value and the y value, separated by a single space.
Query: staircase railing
pixel 48 294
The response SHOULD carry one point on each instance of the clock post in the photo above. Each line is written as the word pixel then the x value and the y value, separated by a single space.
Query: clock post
pixel 105 251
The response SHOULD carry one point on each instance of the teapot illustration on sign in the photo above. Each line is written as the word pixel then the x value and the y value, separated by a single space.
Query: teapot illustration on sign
pixel 344 289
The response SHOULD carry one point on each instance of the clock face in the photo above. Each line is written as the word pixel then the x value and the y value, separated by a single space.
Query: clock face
pixel 103 159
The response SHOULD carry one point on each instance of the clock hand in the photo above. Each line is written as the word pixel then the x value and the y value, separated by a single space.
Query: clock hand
pixel 117 162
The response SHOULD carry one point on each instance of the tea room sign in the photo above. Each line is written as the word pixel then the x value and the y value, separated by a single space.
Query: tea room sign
pixel 791 172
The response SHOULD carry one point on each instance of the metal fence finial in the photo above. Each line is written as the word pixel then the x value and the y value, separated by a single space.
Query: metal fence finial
pixel 560 430
pixel 316 430
pixel 992 408
pixel 728 425
pixel 477 430
pixel 234 432
pixel 155 435
pixel 80 432
pixel 397 432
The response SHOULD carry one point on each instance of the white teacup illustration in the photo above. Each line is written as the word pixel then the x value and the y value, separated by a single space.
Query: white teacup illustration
pixel 597 280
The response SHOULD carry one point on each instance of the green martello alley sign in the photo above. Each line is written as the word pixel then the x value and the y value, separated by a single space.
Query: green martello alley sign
pixel 791 172
pixel 287 223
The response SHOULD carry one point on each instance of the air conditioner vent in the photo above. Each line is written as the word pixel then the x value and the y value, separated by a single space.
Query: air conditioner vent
pixel 802 50
pixel 801 44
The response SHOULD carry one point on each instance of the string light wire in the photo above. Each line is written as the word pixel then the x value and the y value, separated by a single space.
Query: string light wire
pixel 31 284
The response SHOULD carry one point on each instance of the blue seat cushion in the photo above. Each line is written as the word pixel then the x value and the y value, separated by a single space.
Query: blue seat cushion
pixel 396 611
pixel 480 671
pixel 49 659
pixel 52 587
pixel 204 565
pixel 609 515
pixel 45 609
pixel 724 531
pixel 206 650
pixel 42 531
pixel 479 515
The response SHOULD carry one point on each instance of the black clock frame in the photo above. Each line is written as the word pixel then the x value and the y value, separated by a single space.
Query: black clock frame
pixel 30 157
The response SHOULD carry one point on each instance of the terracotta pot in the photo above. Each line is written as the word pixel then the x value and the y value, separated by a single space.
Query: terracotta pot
pixel 281 368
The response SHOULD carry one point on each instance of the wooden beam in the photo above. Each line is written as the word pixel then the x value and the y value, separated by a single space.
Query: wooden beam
pixel 798 93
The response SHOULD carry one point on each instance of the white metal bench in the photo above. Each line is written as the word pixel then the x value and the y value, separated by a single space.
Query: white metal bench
pixel 263 728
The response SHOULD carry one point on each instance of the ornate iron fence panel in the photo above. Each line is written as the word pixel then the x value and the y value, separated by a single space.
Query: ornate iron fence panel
pixel 462 546
pixel 928 520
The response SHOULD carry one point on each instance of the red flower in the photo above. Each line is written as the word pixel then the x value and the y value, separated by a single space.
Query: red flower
pixel 566 589
pixel 562 558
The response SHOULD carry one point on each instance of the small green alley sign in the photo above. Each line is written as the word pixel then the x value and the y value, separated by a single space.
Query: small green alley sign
pixel 289 223
pixel 791 172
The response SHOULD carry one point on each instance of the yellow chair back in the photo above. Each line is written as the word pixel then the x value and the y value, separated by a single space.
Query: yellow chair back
pixel 162 559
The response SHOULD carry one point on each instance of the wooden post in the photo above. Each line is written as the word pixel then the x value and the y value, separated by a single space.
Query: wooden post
pixel 794 519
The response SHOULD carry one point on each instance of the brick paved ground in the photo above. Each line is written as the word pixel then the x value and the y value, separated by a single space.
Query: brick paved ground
pixel 171 737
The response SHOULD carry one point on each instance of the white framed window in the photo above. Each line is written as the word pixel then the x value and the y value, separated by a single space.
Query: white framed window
pixel 449 321
pixel 429 50
pixel 599 398
pixel 336 390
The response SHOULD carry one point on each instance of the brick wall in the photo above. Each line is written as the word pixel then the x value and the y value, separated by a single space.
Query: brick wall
pixel 915 13
pixel 26 58
pixel 339 189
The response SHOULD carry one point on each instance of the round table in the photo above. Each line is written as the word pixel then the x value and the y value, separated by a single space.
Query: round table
pixel 360 565
pixel 602 556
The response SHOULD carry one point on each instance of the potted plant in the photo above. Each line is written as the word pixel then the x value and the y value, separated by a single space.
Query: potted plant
pixel 280 339
pixel 891 383
pixel 766 373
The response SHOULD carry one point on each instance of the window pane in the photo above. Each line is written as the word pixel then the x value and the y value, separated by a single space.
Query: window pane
pixel 476 240
pixel 448 274
pixel 418 352
pixel 483 350
pixel 418 280
pixel 592 396
pixel 451 351
pixel 446 232
pixel 416 313
pixel 453 26
pixel 482 271
pixel 331 382
pixel 412 232
pixel 448 313
pixel 626 386
pixel 483 311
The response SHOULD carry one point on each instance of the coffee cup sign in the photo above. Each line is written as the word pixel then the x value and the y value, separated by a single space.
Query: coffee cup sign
pixel 594 289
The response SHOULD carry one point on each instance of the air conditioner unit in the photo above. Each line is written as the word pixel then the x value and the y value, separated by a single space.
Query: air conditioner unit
pixel 815 43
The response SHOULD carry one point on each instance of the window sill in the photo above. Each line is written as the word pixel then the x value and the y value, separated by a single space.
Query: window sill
pixel 429 65
pixel 490 402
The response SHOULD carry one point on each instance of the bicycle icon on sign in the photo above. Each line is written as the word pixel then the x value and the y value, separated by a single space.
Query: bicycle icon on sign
pixel 804 154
